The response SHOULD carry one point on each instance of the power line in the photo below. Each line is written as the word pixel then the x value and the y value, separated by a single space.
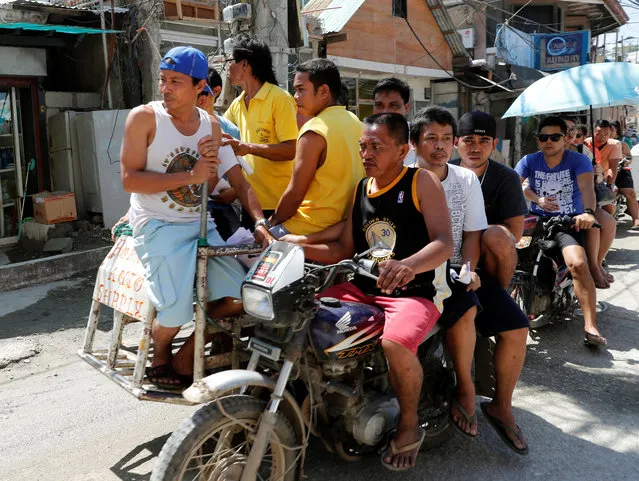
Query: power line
pixel 475 87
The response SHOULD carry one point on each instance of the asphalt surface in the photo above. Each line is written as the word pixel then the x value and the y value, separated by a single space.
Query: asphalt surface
pixel 61 420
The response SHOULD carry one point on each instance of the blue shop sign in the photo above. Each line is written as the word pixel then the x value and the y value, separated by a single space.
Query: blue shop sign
pixel 560 51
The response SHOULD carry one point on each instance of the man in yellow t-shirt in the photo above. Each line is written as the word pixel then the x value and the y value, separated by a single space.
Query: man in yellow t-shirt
pixel 266 117
pixel 327 162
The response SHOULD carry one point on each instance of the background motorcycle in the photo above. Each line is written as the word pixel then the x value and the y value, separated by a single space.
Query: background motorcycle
pixel 542 284
pixel 316 366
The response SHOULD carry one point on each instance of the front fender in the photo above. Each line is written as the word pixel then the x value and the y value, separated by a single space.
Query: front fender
pixel 221 383
pixel 218 384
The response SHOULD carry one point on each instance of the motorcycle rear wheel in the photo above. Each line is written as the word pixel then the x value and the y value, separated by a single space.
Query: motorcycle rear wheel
pixel 434 405
pixel 214 444
pixel 520 292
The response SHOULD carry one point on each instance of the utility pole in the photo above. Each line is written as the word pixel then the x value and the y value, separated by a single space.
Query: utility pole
pixel 270 23
pixel 147 40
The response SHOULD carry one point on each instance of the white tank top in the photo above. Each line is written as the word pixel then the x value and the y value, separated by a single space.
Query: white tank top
pixel 170 152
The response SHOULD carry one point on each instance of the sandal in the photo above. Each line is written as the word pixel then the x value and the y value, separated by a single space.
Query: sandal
pixel 469 419
pixel 404 449
pixel 165 377
pixel 594 340
pixel 501 429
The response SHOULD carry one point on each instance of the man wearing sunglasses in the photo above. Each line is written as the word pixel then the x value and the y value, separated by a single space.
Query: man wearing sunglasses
pixel 561 183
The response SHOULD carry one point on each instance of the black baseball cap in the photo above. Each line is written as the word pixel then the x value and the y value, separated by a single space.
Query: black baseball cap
pixel 477 123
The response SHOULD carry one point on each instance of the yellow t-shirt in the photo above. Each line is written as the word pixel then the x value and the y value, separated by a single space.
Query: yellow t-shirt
pixel 332 187
pixel 269 119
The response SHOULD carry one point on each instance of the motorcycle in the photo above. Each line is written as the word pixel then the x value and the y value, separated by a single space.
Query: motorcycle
pixel 316 367
pixel 542 285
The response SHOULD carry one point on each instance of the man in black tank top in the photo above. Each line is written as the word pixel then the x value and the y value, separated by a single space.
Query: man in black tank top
pixel 397 211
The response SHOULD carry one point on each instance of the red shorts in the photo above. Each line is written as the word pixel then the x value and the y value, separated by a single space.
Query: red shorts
pixel 408 319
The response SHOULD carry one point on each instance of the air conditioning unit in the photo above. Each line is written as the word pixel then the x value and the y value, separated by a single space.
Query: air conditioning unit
pixel 239 12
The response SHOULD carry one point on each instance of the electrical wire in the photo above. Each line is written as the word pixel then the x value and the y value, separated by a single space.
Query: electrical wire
pixel 460 82
pixel 524 20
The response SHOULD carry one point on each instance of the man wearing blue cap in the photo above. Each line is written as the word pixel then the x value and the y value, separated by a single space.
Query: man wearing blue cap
pixel 169 149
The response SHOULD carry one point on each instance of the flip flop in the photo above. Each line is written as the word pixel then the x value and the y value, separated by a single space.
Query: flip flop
pixel 594 340
pixel 469 419
pixel 501 429
pixel 404 449
pixel 157 374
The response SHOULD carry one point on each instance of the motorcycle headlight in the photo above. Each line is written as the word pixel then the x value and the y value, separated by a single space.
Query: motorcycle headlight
pixel 257 302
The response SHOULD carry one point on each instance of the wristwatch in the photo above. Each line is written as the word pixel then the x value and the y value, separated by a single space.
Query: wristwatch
pixel 589 211
pixel 263 222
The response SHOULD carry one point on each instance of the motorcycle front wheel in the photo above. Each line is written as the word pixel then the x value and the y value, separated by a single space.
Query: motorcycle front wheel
pixel 214 444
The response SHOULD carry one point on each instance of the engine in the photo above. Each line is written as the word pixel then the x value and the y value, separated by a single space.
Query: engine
pixel 374 420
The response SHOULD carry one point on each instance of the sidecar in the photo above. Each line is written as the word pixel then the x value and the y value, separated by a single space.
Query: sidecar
pixel 120 284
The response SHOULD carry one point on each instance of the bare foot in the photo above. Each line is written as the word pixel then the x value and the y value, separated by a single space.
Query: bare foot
pixel 398 456
pixel 505 416
pixel 600 280
pixel 466 420
pixel 607 275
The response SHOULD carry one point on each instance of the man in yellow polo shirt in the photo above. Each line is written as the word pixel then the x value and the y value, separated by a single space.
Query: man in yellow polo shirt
pixel 266 117
pixel 327 162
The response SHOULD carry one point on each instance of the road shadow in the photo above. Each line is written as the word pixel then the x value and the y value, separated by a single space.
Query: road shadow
pixel 553 454
pixel 625 257
pixel 62 308
pixel 127 468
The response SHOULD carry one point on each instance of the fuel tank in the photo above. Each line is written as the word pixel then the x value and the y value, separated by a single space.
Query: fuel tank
pixel 345 330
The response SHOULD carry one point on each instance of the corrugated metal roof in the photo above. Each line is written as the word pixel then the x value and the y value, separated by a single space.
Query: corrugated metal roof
pixel 58 4
pixel 332 14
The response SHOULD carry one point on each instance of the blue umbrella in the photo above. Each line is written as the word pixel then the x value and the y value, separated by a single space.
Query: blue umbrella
pixel 593 85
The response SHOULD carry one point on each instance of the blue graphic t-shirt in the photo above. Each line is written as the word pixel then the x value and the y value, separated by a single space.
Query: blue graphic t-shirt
pixel 560 182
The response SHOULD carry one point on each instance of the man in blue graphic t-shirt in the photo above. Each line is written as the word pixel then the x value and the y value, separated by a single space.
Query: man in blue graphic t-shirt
pixel 560 182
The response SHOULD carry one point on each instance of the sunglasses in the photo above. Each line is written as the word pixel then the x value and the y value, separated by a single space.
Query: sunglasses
pixel 553 137
pixel 579 136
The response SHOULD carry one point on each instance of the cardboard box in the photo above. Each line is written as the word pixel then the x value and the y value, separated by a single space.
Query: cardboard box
pixel 54 207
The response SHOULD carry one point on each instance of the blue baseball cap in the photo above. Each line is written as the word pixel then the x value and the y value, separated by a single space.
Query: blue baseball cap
pixel 187 60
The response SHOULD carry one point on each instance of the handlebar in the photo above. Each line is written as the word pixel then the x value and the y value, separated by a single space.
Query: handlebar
pixel 563 222
pixel 357 265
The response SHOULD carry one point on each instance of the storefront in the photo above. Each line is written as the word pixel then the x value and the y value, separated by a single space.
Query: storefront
pixel 20 145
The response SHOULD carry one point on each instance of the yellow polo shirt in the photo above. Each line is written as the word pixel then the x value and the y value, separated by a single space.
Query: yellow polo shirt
pixel 269 119
pixel 332 187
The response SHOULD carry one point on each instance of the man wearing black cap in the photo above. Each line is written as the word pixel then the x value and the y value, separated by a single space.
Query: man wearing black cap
pixel 169 149
pixel 503 198
pixel 505 209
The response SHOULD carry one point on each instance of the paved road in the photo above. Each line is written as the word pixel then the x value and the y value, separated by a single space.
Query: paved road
pixel 62 421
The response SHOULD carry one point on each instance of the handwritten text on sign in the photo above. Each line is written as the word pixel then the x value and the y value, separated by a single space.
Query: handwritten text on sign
pixel 120 283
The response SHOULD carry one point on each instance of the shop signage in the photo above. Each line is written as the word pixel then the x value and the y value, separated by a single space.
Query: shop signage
pixel 556 51
pixel 562 50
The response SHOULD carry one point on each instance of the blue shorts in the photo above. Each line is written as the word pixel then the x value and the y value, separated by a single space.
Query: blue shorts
pixel 168 251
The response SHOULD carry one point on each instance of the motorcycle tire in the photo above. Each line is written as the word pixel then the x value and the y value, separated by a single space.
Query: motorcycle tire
pixel 434 406
pixel 190 442
pixel 520 290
